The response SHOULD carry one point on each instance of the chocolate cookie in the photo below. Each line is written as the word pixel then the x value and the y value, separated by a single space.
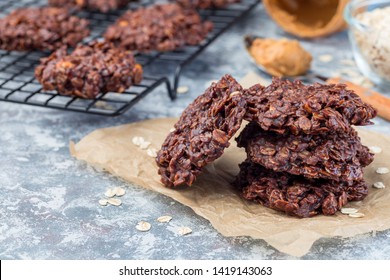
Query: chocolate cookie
pixel 296 195
pixel 162 27
pixel 89 70
pixel 202 133
pixel 206 4
pixel 293 107
pixel 100 5
pixel 339 157
pixel 44 28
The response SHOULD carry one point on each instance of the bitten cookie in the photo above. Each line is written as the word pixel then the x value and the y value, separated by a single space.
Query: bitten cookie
pixel 163 27
pixel 202 133
pixel 292 107
pixel 44 28
pixel 296 195
pixel 89 70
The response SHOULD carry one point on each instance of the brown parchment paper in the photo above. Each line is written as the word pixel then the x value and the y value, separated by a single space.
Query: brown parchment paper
pixel 213 197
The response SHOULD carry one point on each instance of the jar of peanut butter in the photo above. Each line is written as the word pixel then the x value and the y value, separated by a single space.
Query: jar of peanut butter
pixel 308 18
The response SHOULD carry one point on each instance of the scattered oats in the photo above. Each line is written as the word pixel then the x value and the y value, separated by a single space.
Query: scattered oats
pixel 109 192
pixel 143 226
pixel 356 215
pixel 182 90
pixel 348 210
pixel 234 93
pixel 152 152
pixel 137 140
pixel 379 185
pixel 114 201
pixel 184 230
pixel 144 145
pixel 119 191
pixel 325 58
pixel 375 150
pixel 164 219
pixel 103 202
pixel 172 129
pixel 382 170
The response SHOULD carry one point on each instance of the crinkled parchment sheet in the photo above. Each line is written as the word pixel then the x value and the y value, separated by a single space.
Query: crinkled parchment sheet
pixel 213 197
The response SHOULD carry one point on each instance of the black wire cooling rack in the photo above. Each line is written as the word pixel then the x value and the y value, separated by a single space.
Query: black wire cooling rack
pixel 18 85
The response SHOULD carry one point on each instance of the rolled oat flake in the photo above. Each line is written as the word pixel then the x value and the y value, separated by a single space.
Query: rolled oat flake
pixel 143 226
pixel 164 219
pixel 348 210
pixel 184 230
pixel 382 170
pixel 379 185
pixel 114 201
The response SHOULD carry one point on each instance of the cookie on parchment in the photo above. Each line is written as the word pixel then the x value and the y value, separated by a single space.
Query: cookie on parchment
pixel 202 132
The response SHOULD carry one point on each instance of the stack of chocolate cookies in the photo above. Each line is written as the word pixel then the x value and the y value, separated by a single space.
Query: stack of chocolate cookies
pixel 303 155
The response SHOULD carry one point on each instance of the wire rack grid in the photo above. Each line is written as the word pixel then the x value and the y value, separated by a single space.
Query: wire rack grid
pixel 18 84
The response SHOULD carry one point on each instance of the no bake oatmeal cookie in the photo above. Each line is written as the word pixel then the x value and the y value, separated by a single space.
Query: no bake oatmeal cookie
pixel 164 27
pixel 296 195
pixel 44 28
pixel 331 156
pixel 89 70
pixel 202 133
pixel 303 156
pixel 293 107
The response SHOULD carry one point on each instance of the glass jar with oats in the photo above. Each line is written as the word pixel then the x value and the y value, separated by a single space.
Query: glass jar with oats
pixel 369 33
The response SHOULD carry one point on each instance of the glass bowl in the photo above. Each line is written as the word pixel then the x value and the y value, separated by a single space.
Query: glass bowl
pixel 369 34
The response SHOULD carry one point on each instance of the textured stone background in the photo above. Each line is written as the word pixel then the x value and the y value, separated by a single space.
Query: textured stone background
pixel 49 206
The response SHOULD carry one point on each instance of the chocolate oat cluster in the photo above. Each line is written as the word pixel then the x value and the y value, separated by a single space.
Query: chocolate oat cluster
pixel 202 132
pixel 100 5
pixel 164 27
pixel 45 28
pixel 89 70
pixel 303 156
